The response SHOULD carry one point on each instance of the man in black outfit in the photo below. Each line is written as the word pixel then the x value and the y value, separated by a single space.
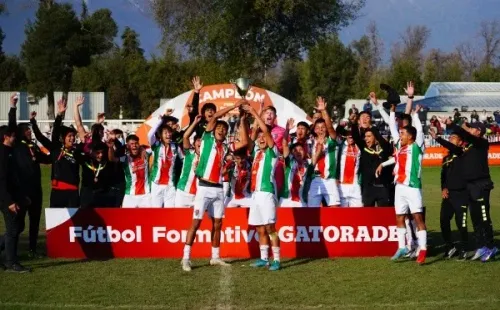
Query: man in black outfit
pixel 12 201
pixel 28 157
pixel 454 195
pixel 476 174
pixel 97 174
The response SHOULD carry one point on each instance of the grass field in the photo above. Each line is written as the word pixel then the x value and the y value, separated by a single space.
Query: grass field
pixel 374 283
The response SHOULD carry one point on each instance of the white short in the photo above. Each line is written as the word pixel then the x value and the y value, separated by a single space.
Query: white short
pixel 323 188
pixel 162 196
pixel 289 203
pixel 136 201
pixel 263 209
pixel 350 195
pixel 183 199
pixel 211 199
pixel 225 188
pixel 232 202
pixel 407 199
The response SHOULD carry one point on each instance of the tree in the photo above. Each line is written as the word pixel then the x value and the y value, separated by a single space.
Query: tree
pixel 469 58
pixel 12 74
pixel 490 34
pixel 487 73
pixel 441 67
pixel 254 35
pixel 329 72
pixel 131 44
pixel 56 42
pixel 404 70
pixel 289 82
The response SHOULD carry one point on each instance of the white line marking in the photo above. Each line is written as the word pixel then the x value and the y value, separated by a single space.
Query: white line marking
pixel 255 307
pixel 225 287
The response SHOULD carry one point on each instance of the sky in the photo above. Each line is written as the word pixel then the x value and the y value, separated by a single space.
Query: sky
pixel 451 21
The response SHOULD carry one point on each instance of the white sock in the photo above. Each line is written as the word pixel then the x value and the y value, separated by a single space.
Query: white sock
pixel 215 253
pixel 187 252
pixel 264 252
pixel 276 253
pixel 409 237
pixel 422 239
pixel 401 237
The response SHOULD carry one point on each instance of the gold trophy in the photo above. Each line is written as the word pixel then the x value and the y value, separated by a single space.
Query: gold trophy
pixel 243 85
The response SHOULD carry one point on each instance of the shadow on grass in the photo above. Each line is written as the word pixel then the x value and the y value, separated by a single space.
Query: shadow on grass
pixel 297 262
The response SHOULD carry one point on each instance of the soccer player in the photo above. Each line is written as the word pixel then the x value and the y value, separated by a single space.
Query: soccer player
pixel 186 187
pixel 302 137
pixel 165 154
pixel 209 194
pixel 28 158
pixel 239 178
pixel 96 178
pixel 348 173
pixel 296 167
pixel 135 165
pixel 66 160
pixel 262 185
pixel 454 194
pixel 324 185
pixel 408 171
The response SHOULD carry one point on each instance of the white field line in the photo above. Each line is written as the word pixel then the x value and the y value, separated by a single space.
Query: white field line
pixel 428 303
pixel 225 287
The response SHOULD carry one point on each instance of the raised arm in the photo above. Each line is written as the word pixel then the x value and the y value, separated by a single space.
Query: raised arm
pixel 38 134
pixel 243 134
pixel 186 143
pixel 321 106
pixel 195 103
pixel 12 112
pixel 220 113
pixel 418 126
pixel 393 126
pixel 78 118
pixel 286 135
pixel 410 91
pixel 56 129
pixel 152 131
pixel 379 107
pixel 269 139
pixel 353 119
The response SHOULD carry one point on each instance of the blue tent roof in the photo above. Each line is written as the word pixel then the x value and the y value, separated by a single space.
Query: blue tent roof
pixel 448 103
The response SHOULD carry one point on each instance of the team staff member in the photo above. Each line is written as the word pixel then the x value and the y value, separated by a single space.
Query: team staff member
pixel 454 194
pixel 12 200
pixel 66 160
pixel 476 173
pixel 96 178
pixel 28 157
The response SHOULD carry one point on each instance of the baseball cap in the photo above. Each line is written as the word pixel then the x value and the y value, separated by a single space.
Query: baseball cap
pixel 478 125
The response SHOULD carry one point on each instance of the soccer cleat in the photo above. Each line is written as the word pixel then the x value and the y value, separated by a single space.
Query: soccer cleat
pixel 490 254
pixel 186 265
pixel 450 252
pixel 275 266
pixel 400 253
pixel 218 262
pixel 463 256
pixel 479 253
pixel 18 268
pixel 260 263
pixel 421 257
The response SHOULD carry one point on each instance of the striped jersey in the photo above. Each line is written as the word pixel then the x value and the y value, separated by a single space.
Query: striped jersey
pixel 295 175
pixel 349 164
pixel 263 170
pixel 240 178
pixel 306 144
pixel 162 169
pixel 326 167
pixel 136 172
pixel 187 180
pixel 212 153
pixel 408 168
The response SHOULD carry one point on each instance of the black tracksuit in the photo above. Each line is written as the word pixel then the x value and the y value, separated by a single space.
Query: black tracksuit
pixel 96 184
pixel 11 192
pixel 66 163
pixel 374 191
pixel 475 173
pixel 453 205
pixel 28 157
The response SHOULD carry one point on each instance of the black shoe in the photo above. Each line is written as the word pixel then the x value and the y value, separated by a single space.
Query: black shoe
pixel 18 268
pixel 463 256
pixel 450 252
pixel 34 254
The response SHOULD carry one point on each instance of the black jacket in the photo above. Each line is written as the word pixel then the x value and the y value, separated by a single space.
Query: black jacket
pixel 11 189
pixel 451 172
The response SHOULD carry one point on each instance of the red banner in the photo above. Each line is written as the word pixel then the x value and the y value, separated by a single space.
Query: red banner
pixel 134 233
pixel 434 156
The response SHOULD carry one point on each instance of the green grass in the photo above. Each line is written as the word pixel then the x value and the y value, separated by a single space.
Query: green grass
pixel 302 284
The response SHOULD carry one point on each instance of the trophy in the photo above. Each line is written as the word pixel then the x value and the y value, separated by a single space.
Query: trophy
pixel 242 85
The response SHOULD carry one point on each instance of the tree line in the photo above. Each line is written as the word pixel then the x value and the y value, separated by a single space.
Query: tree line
pixel 290 47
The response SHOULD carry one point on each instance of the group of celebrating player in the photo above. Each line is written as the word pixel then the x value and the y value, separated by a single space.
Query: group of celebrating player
pixel 265 166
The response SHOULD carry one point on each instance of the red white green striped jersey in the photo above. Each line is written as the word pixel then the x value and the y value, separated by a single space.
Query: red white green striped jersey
pixel 162 170
pixel 136 174
pixel 326 167
pixel 408 168
pixel 212 153
pixel 263 170
pixel 187 180
pixel 295 175
pixel 240 178
pixel 349 164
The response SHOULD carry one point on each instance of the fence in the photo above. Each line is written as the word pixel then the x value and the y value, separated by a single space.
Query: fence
pixel 127 125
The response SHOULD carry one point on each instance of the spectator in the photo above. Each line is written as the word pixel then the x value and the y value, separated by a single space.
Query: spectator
pixel 474 117
pixel 456 116
pixel 353 110
pixel 434 123
pixel 335 113
pixel 483 117
pixel 496 115
pixel 367 107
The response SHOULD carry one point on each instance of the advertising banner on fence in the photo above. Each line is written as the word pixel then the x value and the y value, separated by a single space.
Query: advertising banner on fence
pixel 434 155
pixel 161 233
